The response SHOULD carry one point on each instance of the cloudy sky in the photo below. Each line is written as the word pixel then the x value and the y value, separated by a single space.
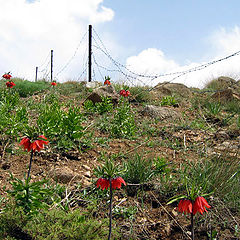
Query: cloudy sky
pixel 150 37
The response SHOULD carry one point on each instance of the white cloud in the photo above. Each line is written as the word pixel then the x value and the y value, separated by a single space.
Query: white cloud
pixel 150 61
pixel 30 30
pixel 223 43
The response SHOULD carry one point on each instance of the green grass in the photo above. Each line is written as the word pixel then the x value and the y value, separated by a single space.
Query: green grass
pixel 26 88
pixel 52 224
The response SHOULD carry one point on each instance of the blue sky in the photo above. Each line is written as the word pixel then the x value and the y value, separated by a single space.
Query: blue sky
pixel 153 36
pixel 178 28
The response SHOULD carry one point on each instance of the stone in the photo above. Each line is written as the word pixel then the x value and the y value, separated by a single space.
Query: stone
pixel 103 91
pixel 63 174
pixel 161 113
pixel 171 89
pixel 226 95
pixel 92 84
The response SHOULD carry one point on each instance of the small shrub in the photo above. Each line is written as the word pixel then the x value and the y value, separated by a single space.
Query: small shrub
pixel 138 170
pixel 54 224
pixel 89 106
pixel 9 99
pixel 104 106
pixel 232 106
pixel 238 121
pixel 26 88
pixel 63 127
pixel 123 122
pixel 213 108
pixel 29 196
pixel 168 101
pixel 99 107
pixel 140 94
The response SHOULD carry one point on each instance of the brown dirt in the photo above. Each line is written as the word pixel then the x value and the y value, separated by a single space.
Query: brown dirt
pixel 154 219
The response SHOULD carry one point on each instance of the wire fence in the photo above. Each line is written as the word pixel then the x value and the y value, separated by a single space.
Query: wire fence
pixel 104 64
pixel 146 79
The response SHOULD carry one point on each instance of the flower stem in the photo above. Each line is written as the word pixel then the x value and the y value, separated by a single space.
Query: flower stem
pixel 110 210
pixel 192 226
pixel 30 165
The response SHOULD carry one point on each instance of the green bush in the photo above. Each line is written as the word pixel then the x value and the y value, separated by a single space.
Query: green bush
pixel 29 196
pixel 140 94
pixel 26 88
pixel 138 170
pixel 99 107
pixel 213 108
pixel 52 224
pixel 9 99
pixel 232 106
pixel 123 122
pixel 62 127
pixel 238 121
pixel 218 176
pixel 168 101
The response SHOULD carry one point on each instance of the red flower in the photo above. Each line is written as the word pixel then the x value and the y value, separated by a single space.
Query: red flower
pixel 200 205
pixel 26 143
pixel 185 206
pixel 124 93
pixel 37 145
pixel 53 83
pixel 7 76
pixel 107 82
pixel 127 93
pixel 103 183
pixel 10 84
pixel 117 182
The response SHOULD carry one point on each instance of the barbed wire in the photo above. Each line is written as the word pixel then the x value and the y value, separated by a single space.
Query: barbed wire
pixel 44 61
pixel 179 73
pixel 74 54
pixel 94 60
pixel 45 69
pixel 119 70
pixel 84 70
pixel 137 76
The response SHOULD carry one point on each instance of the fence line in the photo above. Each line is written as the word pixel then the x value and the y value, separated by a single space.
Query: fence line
pixel 74 54
pixel 129 75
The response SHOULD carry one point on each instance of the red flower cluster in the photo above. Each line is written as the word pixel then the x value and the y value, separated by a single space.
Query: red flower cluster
pixel 53 83
pixel 37 145
pixel 199 205
pixel 7 76
pixel 124 93
pixel 10 84
pixel 107 82
pixel 105 184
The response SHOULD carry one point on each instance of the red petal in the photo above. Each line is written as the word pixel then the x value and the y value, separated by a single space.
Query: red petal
pixel 103 183
pixel 26 143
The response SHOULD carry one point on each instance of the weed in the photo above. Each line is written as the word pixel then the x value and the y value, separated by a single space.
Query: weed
pixel 232 106
pixel 140 94
pixel 123 122
pixel 62 127
pixel 125 212
pixel 238 121
pixel 100 107
pixel 28 195
pixel 138 170
pixel 52 224
pixel 168 101
pixel 213 108
pixel 26 88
